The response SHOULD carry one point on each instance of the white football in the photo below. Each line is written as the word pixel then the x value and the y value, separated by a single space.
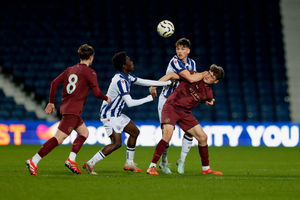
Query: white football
pixel 165 28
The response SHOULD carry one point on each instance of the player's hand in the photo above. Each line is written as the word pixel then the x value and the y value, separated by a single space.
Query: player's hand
pixel 204 74
pixel 153 92
pixel 210 103
pixel 108 100
pixel 50 108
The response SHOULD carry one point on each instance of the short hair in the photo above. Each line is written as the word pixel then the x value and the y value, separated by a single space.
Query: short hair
pixel 218 71
pixel 85 51
pixel 119 59
pixel 184 42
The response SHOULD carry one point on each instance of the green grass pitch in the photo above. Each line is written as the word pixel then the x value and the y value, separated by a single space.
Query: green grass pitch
pixel 249 173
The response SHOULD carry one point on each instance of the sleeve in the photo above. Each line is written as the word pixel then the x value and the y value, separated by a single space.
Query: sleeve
pixel 93 84
pixel 54 83
pixel 194 65
pixel 123 87
pixel 136 102
pixel 178 66
pixel 146 82
pixel 133 78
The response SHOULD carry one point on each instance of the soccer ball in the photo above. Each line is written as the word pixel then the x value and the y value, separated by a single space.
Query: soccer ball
pixel 165 28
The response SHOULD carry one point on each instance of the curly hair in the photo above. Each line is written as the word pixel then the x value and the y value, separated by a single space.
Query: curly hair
pixel 119 59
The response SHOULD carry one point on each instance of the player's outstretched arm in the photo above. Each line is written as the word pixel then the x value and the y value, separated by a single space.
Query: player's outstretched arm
pixel 50 108
pixel 192 78
pixel 146 82
pixel 136 102
pixel 169 76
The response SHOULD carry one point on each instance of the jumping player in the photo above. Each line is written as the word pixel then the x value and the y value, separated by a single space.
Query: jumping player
pixel 180 64
pixel 77 81
pixel 111 115
pixel 178 110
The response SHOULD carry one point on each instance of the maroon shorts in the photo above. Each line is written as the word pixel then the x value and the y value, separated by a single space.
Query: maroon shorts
pixel 176 115
pixel 69 122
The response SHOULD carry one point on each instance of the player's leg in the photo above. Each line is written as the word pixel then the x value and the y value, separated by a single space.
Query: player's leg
pixel 116 142
pixel 187 142
pixel 167 135
pixel 83 133
pixel 201 137
pixel 164 164
pixel 133 132
pixel 44 150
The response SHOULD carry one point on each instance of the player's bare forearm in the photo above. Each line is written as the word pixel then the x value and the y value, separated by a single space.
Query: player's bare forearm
pixel 192 78
pixel 169 76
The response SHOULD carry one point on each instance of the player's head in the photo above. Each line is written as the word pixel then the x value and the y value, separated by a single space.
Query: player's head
pixel 214 74
pixel 122 62
pixel 183 48
pixel 86 53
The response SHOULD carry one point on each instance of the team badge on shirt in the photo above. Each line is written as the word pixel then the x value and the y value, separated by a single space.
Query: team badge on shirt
pixel 167 120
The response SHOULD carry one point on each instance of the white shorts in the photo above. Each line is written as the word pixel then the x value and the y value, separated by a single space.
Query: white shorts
pixel 116 124
pixel 161 102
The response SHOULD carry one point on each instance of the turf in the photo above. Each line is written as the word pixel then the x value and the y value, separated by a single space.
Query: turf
pixel 249 173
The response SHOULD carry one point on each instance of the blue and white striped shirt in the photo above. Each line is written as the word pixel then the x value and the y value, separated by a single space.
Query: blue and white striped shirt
pixel 177 66
pixel 119 86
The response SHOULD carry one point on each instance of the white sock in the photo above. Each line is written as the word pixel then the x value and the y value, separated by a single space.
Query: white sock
pixel 36 159
pixel 130 155
pixel 186 147
pixel 164 156
pixel 96 158
pixel 72 156
pixel 152 165
pixel 204 168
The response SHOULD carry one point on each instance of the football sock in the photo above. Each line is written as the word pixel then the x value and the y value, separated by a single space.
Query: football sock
pixel 159 150
pixel 203 151
pixel 186 147
pixel 72 156
pixel 164 157
pixel 130 155
pixel 36 159
pixel 96 158
pixel 152 165
pixel 48 146
pixel 77 144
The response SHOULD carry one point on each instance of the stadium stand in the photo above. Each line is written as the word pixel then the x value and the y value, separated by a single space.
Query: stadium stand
pixel 39 40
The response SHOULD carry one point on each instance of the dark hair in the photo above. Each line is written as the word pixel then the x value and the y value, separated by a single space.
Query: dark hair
pixel 184 42
pixel 119 59
pixel 85 51
pixel 218 71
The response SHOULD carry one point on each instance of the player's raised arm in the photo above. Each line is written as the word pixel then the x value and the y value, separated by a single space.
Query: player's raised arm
pixel 192 78
pixel 169 76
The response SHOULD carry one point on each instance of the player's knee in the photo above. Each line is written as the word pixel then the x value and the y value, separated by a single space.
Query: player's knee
pixel 203 138
pixel 136 132
pixel 117 145
pixel 85 134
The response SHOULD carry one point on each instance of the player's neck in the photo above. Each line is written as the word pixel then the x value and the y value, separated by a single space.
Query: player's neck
pixel 125 72
pixel 184 60
pixel 85 62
